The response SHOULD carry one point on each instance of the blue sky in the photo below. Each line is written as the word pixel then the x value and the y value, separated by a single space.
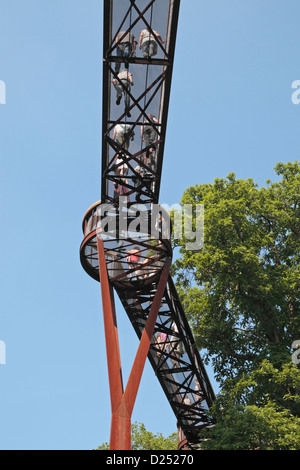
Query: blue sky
pixel 230 110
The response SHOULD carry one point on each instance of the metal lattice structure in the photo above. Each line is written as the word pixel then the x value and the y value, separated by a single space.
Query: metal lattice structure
pixel 139 45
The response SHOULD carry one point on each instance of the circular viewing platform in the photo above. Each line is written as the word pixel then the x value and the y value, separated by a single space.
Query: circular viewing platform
pixel 136 242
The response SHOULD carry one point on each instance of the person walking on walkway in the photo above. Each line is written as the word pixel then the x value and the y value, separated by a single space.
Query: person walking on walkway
pixel 126 47
pixel 122 135
pixel 124 87
pixel 148 42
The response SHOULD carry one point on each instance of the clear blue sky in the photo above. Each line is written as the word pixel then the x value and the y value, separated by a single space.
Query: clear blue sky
pixel 230 110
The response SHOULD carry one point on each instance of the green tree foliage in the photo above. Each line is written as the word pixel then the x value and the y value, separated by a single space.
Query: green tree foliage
pixel 141 439
pixel 260 411
pixel 241 291
pixel 241 295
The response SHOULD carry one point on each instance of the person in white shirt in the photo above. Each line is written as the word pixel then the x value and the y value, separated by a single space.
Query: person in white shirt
pixel 121 167
pixel 148 42
pixel 127 81
pixel 122 134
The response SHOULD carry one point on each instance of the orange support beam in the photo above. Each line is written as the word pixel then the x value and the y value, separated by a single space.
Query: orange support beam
pixel 122 403
pixel 111 330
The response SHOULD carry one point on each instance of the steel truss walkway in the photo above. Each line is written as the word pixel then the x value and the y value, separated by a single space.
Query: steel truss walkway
pixel 134 258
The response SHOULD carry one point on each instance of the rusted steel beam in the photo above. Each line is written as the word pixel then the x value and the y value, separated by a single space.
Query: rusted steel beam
pixel 122 403
pixel 111 330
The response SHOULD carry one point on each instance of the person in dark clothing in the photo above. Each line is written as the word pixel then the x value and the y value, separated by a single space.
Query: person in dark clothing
pixel 149 133
pixel 126 47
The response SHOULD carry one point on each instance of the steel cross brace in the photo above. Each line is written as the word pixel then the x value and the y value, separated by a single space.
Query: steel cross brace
pixel 122 402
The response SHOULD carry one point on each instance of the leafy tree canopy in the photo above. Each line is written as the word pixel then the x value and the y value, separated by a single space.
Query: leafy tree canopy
pixel 241 295
pixel 241 291
pixel 259 412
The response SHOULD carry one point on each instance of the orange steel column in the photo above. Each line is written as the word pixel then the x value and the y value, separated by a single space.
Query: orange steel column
pixel 111 331
pixel 122 403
